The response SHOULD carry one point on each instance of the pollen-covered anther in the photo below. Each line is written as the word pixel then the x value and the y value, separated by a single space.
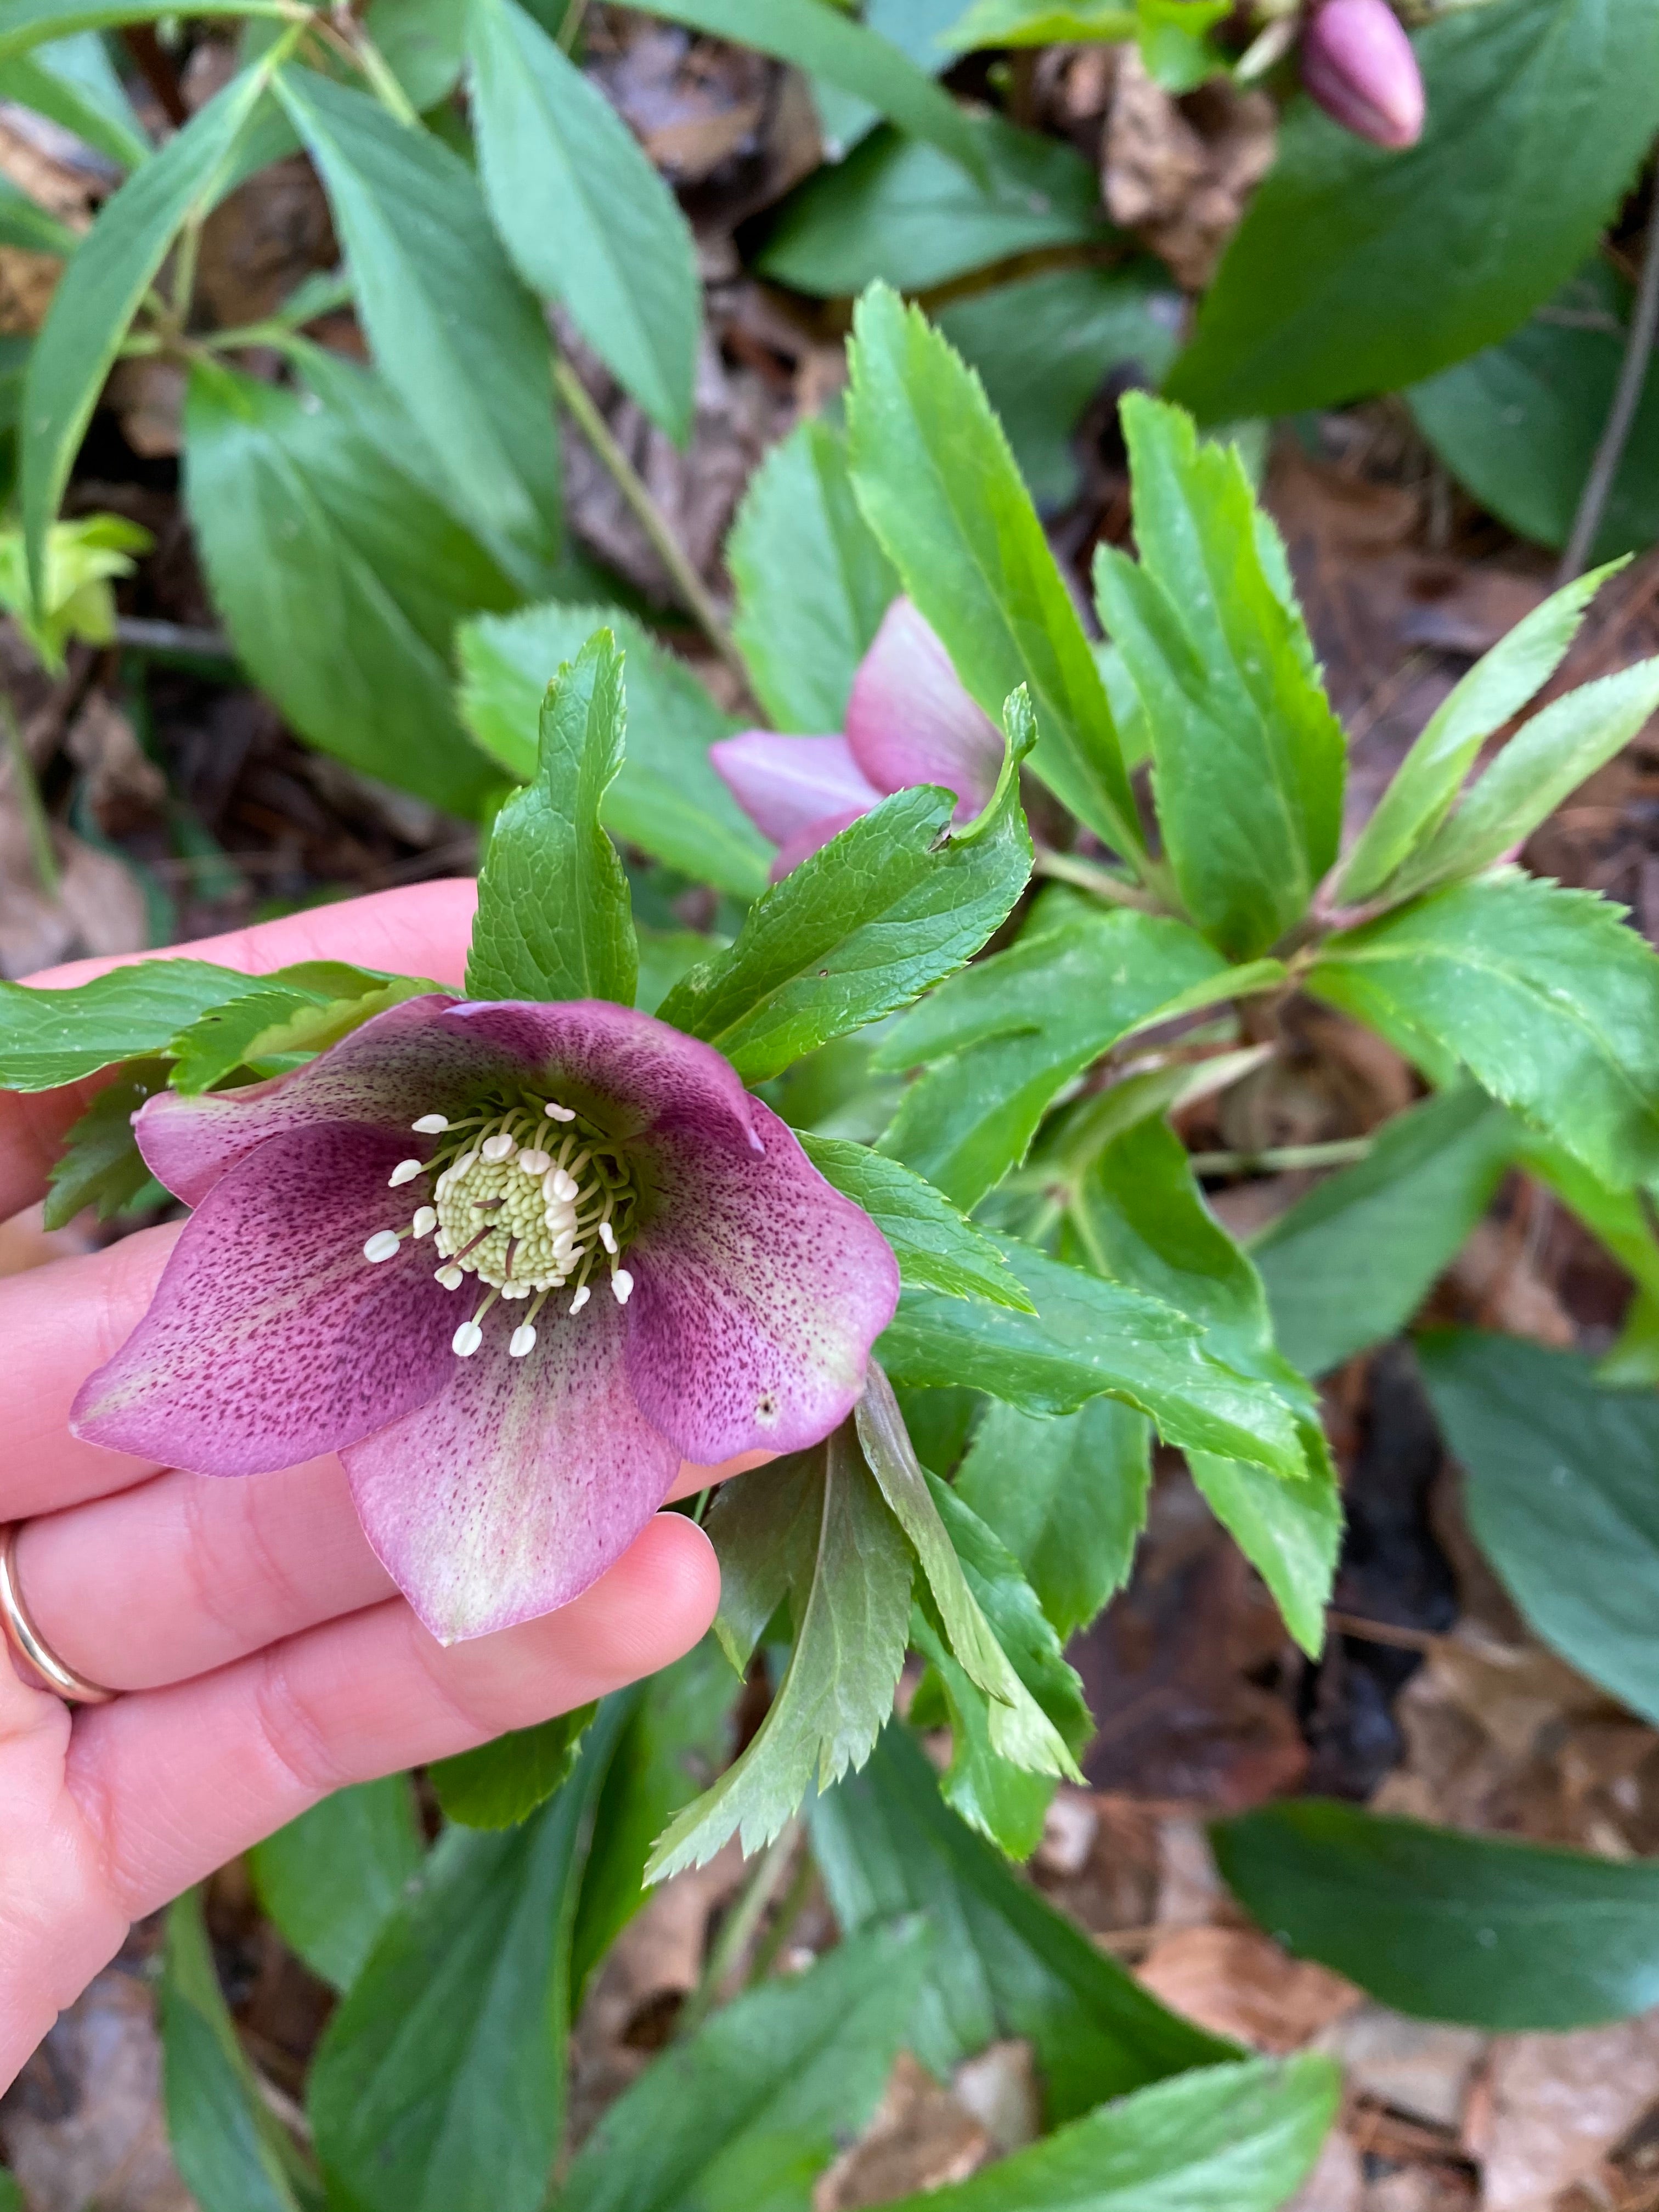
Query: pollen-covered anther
pixel 405 1171
pixel 466 1339
pixel 450 1277
pixel 581 1299
pixel 533 1162
pixel 622 1284
pixel 608 1238
pixel 501 1147
pixel 561 1185
pixel 426 1220
pixel 384 1244
pixel 559 1113
pixel 430 1125
pixel 523 1341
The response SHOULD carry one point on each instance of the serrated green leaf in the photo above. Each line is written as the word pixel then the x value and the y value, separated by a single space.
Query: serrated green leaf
pixel 1481 1929
pixel 331 1879
pixel 1360 269
pixel 1543 994
pixel 50 1037
pixel 1068 1495
pixel 863 926
pixel 582 211
pixel 1005 1963
pixel 1426 784
pixel 943 494
pixel 1349 1264
pixel 1247 757
pixel 745 2115
pixel 813 583
pixel 555 916
pixel 500 1784
pixel 453 333
pixel 935 1246
pixel 1243 2136
pixel 667 800
pixel 340 579
pixel 100 1164
pixel 816 1527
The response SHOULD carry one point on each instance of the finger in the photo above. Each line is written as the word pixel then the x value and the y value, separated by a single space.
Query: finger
pixel 248 1749
pixel 420 930
pixel 175 1577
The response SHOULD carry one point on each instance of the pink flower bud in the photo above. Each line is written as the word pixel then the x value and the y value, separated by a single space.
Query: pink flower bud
pixel 1358 63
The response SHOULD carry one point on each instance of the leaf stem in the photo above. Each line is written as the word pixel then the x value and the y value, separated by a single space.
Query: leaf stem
pixel 1627 397
pixel 36 825
pixel 739 1929
pixel 570 25
pixel 349 38
pixel 1094 876
pixel 1342 1151
pixel 694 593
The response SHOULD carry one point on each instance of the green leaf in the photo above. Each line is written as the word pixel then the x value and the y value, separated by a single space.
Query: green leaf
pixel 942 491
pixel 1359 269
pixel 1495 1934
pixel 1543 995
pixel 74 82
pixel 1518 423
pixel 1090 1338
pixel 100 1164
pixel 1561 1496
pixel 1243 2136
pixel 1548 757
pixel 23 223
pixel 667 799
pixel 232 2151
pixel 11 2196
pixel 1013 1031
pixel 1004 1963
pixel 812 582
pixel 282 1017
pixel 101 290
pixel 827 44
pixel 453 331
pixel 499 1784
pixel 1428 780
pixel 1041 22
pixel 1289 1532
pixel 555 916
pixel 899 211
pixel 1349 1264
pixel 422 43
pixel 30 23
pixel 863 926
pixel 50 1037
pixel 438 2083
pixel 813 1527
pixel 331 1879
pixel 582 211
pixel 745 2115
pixel 936 1247
pixel 1247 757
pixel 1043 346
pixel 1068 1495
pixel 340 579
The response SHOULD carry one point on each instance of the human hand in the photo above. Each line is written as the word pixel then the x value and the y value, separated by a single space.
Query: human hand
pixel 262 1653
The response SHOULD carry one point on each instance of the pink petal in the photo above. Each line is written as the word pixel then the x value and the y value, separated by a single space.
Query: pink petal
pixel 805 842
pixel 516 1487
pixel 758 1291
pixel 908 719
pixel 270 1339
pixel 783 784
pixel 1358 63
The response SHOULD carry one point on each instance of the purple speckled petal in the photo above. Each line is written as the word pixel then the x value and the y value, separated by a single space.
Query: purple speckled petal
pixel 1358 63
pixel 270 1339
pixel 805 842
pixel 908 719
pixel 521 1481
pixel 783 784
pixel 758 1291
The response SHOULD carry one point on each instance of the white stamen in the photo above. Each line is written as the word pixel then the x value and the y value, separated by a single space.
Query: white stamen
pixel 581 1299
pixel 534 1163
pixel 524 1340
pixel 608 1238
pixel 501 1147
pixel 426 1220
pixel 430 1125
pixel 561 1185
pixel 559 1113
pixel 467 1339
pixel 405 1171
pixel 451 1277
pixel 384 1244
pixel 623 1283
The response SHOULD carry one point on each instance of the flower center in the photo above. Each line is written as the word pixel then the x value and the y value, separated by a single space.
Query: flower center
pixel 528 1196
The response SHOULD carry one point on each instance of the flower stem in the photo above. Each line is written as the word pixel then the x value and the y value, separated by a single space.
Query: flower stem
pixel 346 34
pixel 1627 397
pixel 1094 876
pixel 739 1929
pixel 1341 1152
pixel 30 804
pixel 694 593
pixel 570 27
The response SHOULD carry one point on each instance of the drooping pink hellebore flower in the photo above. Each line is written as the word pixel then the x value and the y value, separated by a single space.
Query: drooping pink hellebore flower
pixel 908 721
pixel 1358 63
pixel 635 1263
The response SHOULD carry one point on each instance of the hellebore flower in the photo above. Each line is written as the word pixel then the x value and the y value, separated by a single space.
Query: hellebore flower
pixel 1358 63
pixel 635 1262
pixel 908 721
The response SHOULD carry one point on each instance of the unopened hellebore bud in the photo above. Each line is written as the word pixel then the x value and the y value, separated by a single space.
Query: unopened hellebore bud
pixel 1358 63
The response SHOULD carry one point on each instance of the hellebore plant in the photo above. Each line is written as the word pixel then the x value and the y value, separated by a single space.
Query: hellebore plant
pixel 908 721
pixel 635 1263
pixel 1358 63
